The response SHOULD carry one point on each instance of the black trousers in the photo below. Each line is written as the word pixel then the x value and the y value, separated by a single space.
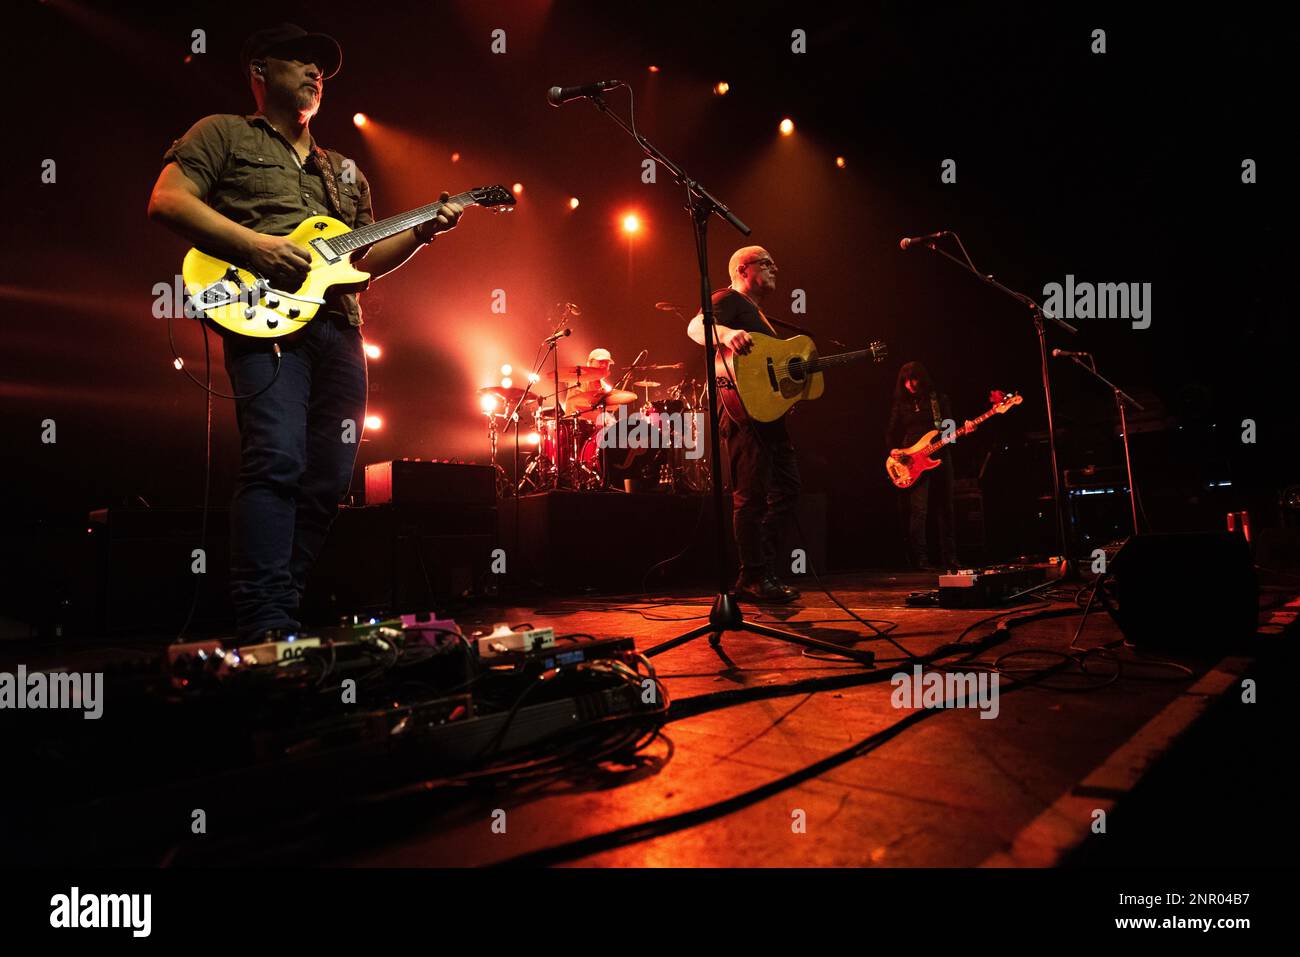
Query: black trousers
pixel 933 492
pixel 764 478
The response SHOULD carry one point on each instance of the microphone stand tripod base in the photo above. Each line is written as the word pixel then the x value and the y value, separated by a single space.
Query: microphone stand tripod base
pixel 725 615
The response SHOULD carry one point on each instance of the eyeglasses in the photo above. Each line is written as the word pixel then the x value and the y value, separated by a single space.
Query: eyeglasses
pixel 763 263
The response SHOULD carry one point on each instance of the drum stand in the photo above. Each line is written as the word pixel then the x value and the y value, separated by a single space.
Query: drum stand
pixel 505 488
pixel 725 615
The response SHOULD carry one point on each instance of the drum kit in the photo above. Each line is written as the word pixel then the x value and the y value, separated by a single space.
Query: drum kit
pixel 565 447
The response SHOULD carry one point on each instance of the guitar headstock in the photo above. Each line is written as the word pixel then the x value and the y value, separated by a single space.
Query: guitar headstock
pixel 1002 401
pixel 879 351
pixel 493 197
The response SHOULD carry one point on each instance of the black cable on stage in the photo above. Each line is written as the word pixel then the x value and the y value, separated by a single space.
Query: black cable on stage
pixel 636 833
pixel 660 827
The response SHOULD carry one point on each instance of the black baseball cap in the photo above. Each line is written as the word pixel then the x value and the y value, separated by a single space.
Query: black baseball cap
pixel 289 38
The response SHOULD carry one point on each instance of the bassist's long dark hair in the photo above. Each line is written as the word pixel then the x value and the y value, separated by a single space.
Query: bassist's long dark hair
pixel 912 370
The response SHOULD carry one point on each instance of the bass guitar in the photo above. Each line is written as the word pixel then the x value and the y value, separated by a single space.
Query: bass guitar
pixel 905 466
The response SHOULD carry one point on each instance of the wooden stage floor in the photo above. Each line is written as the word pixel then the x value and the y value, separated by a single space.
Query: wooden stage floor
pixel 949 789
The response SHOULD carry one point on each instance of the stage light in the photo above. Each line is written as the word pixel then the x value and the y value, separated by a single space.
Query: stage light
pixel 506 382
pixel 488 403
pixel 373 351
pixel 506 369
pixel 631 223
pixel 653 68
pixel 518 189
pixel 374 422
pixel 179 363
pixel 573 202
pixel 533 438
pixel 787 126
pixel 360 119
pixel 839 161
pixel 722 89
pixel 534 377
pixel 455 157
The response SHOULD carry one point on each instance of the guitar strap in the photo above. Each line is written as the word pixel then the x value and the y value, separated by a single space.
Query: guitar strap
pixel 327 174
pixel 935 412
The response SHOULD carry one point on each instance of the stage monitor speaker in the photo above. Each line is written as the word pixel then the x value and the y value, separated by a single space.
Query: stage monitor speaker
pixel 1192 592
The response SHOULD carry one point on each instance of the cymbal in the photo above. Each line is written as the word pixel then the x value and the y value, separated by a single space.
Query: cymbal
pixel 670 365
pixel 586 401
pixel 581 373
pixel 510 396
pixel 647 384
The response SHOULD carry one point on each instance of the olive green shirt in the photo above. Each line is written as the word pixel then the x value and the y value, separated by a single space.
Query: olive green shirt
pixel 249 173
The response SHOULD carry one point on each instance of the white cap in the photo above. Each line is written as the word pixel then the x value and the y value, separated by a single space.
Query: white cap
pixel 599 355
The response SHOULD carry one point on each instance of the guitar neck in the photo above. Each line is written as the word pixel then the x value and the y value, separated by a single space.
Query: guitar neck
pixel 958 433
pixel 368 235
pixel 827 362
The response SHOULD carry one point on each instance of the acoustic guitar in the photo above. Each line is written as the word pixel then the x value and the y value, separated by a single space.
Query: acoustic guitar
pixel 767 381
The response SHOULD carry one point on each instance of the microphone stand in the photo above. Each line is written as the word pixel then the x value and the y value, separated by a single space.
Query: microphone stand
pixel 1036 311
pixel 1120 398
pixel 725 615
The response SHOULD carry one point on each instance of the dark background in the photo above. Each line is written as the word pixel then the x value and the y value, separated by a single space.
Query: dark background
pixel 1122 167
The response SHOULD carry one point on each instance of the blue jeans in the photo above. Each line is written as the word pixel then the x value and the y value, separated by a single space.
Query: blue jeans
pixel 297 452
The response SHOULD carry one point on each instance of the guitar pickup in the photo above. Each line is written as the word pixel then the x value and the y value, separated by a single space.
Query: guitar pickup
pixel 325 250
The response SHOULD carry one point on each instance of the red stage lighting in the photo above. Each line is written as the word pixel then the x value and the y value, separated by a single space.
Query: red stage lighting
pixel 839 161
pixel 631 223
pixel 653 69
pixel 374 423
pixel 455 157
pixel 518 189
pixel 373 351
pixel 573 202
pixel 722 89
pixel 360 119
pixel 787 126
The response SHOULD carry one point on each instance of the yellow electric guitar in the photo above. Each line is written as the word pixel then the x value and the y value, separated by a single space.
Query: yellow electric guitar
pixel 776 373
pixel 905 466
pixel 245 303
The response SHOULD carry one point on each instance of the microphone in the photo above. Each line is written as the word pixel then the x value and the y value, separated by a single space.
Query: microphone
pixel 1066 354
pixel 558 95
pixel 913 240
pixel 557 336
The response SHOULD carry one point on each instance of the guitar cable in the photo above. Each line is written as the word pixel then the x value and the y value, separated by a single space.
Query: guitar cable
pixel 180 365
pixel 210 393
